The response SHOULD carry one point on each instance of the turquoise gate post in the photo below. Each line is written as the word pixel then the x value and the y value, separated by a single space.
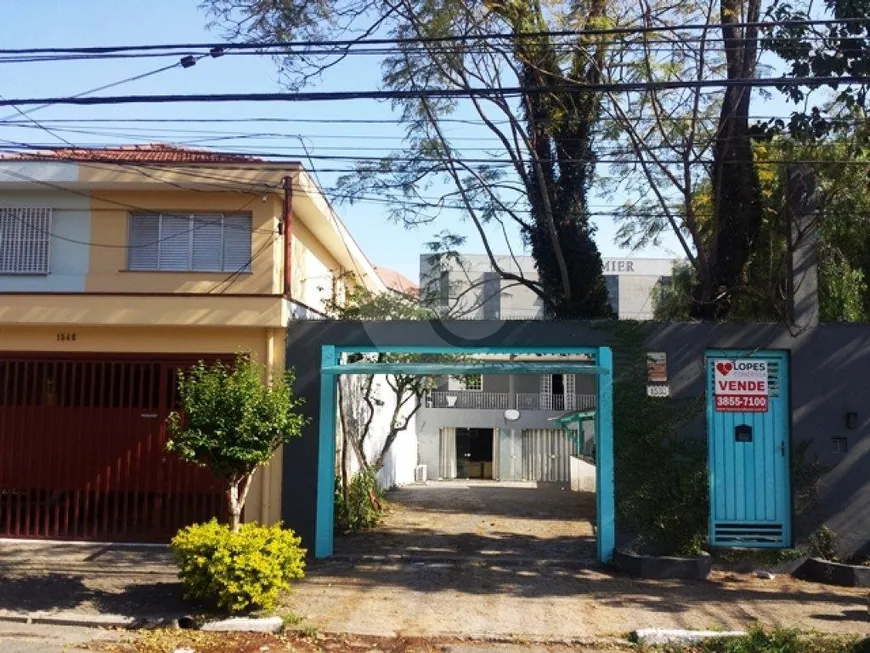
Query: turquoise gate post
pixel 326 458
pixel 605 489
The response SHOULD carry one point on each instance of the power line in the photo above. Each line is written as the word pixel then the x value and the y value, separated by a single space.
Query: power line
pixel 488 161
pixel 458 38
pixel 446 93
pixel 183 63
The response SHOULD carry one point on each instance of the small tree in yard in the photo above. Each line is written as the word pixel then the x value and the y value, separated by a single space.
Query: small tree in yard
pixel 232 422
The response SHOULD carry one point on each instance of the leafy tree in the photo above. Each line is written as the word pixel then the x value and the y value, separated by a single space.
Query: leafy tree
pixel 842 221
pixel 835 50
pixel 358 396
pixel 673 302
pixel 536 180
pixel 232 422
pixel 679 140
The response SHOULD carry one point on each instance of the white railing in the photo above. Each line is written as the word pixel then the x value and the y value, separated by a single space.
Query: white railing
pixel 504 400
pixel 538 401
pixel 469 399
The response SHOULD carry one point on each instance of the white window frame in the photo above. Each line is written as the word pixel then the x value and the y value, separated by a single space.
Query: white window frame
pixel 38 221
pixel 191 217
pixel 459 384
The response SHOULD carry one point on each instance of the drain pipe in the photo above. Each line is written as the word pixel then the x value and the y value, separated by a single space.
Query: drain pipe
pixel 287 229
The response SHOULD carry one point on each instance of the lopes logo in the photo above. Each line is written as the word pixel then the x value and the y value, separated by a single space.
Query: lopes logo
pixel 741 385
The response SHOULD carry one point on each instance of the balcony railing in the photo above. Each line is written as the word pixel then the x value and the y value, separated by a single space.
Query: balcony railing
pixel 469 399
pixel 540 401
pixel 504 400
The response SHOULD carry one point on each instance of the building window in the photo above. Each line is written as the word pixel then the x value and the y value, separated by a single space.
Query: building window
pixel 468 382
pixel 25 234
pixel 190 243
pixel 473 382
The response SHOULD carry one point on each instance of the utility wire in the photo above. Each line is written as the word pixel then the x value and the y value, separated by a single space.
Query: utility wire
pixel 378 160
pixel 445 93
pixel 458 38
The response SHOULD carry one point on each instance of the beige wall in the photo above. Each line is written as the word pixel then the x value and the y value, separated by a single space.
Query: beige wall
pixel 141 310
pixel 313 268
pixel 110 212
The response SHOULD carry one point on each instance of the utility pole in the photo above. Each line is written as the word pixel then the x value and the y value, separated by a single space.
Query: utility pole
pixel 803 278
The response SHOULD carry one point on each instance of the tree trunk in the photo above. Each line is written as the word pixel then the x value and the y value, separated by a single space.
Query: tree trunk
pixel 344 443
pixel 237 495
pixel 234 505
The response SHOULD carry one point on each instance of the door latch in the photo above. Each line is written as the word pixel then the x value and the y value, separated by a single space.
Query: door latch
pixel 782 448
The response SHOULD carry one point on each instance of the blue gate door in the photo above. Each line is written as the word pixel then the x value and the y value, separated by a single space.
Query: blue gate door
pixel 748 435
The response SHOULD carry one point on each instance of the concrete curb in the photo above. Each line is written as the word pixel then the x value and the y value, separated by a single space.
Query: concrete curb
pixel 487 638
pixel 662 636
pixel 70 619
pixel 245 625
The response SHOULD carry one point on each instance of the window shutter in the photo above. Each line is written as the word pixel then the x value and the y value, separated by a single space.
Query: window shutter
pixel 25 235
pixel 207 243
pixel 175 242
pixel 144 248
pixel 237 243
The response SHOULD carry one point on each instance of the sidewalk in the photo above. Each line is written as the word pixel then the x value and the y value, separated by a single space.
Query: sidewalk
pixel 124 582
pixel 431 598
pixel 557 603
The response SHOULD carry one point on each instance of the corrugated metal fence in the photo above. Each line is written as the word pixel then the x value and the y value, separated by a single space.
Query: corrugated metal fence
pixel 82 452
pixel 547 455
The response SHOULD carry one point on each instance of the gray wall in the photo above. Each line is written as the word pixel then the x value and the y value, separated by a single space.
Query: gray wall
pixel 830 376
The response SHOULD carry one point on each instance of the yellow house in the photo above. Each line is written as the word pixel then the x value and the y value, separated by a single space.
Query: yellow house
pixel 117 266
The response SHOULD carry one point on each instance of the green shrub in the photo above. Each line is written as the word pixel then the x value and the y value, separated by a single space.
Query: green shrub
pixel 237 571
pixel 823 544
pixel 364 506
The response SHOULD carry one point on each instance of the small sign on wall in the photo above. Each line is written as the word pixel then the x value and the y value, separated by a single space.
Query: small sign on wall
pixel 740 386
pixel 658 391
pixel 656 367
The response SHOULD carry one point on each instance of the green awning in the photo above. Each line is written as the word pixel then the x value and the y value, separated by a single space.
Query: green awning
pixel 577 416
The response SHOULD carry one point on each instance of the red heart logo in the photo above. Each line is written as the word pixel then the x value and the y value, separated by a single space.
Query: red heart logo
pixel 724 368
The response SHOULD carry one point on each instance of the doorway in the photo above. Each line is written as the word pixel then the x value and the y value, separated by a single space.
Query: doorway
pixel 474 453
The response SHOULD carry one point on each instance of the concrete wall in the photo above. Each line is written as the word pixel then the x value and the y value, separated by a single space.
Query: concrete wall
pixel 830 374
pixel 401 459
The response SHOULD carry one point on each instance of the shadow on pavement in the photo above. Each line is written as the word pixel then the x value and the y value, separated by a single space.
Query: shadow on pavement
pixel 50 592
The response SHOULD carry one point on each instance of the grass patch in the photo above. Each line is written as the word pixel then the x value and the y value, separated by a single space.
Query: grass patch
pixel 762 640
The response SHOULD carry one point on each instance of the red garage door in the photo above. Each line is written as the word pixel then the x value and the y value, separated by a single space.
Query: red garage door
pixel 82 452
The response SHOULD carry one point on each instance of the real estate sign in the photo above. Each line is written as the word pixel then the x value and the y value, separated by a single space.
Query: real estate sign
pixel 740 386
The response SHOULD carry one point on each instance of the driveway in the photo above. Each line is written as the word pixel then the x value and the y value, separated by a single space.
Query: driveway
pixel 451 520
pixel 517 560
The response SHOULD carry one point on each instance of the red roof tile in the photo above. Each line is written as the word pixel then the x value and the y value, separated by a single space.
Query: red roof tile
pixel 397 282
pixel 148 153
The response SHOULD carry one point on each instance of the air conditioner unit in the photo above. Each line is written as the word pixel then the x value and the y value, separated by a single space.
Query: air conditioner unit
pixel 420 474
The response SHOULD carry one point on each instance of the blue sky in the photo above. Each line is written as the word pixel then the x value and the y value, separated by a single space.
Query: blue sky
pixel 53 23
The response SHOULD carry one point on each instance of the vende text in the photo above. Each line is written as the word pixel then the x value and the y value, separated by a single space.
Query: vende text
pixel 740 387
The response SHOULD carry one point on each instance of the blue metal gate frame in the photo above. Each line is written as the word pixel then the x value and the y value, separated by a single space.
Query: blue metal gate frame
pixel 602 368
